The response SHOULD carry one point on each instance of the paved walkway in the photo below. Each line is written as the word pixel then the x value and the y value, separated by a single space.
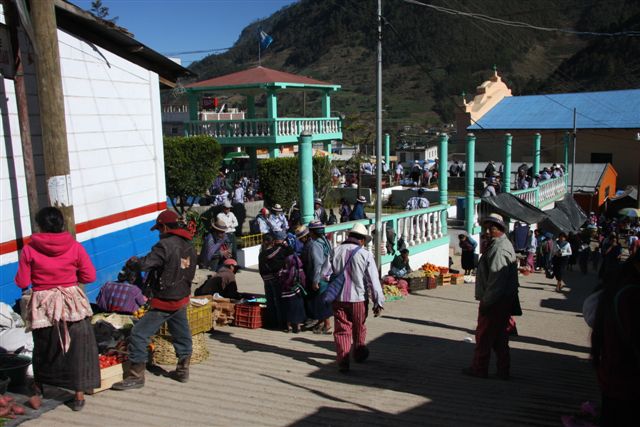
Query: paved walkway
pixel 261 377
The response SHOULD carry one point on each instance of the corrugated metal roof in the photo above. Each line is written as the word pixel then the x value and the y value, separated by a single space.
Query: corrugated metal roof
pixel 616 109
pixel 587 175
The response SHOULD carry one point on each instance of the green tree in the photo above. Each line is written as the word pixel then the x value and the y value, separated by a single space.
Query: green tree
pixel 101 11
pixel 190 166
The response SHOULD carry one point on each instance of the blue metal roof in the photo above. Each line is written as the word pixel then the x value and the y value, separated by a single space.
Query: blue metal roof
pixel 616 109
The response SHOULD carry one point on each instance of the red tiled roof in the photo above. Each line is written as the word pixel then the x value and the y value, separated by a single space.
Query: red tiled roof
pixel 258 75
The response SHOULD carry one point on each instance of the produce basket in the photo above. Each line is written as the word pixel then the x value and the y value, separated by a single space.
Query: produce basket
pixel 457 279
pixel 248 316
pixel 200 320
pixel 165 354
pixel 444 279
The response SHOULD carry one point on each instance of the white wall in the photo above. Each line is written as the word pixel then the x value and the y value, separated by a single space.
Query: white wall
pixel 113 119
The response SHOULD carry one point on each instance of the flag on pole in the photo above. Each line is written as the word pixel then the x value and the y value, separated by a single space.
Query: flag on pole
pixel 265 40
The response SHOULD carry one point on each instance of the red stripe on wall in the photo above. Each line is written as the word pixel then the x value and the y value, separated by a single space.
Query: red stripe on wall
pixel 14 245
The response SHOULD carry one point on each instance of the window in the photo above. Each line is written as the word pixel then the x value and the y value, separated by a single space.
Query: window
pixel 601 158
pixel 607 190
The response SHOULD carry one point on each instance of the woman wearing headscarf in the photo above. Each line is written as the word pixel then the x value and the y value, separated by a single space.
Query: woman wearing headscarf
pixel 65 351
pixel 561 253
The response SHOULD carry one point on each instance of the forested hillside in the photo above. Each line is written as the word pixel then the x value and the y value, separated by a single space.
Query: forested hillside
pixel 430 58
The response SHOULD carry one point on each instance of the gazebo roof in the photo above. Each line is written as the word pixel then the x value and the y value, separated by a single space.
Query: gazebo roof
pixel 261 77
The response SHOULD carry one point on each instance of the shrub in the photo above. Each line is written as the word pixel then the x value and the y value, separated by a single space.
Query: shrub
pixel 190 165
pixel 280 180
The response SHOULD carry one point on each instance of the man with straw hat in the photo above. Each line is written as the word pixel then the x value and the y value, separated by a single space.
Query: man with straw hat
pixel 277 219
pixel 497 290
pixel 216 247
pixel 319 214
pixel 351 306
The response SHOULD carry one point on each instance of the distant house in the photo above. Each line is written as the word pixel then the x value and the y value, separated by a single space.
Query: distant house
pixel 111 86
pixel 607 123
pixel 594 184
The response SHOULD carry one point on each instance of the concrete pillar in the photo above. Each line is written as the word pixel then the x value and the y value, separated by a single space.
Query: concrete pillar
pixel 274 152
pixel 470 183
pixel 253 158
pixel 251 107
pixel 443 179
pixel 272 104
pixel 387 143
pixel 508 141
pixel 536 153
pixel 326 104
pixel 305 166
pixel 327 147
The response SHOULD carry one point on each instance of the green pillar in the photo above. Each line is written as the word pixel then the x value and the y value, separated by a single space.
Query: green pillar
pixel 470 183
pixel 193 105
pixel 536 153
pixel 253 158
pixel 305 166
pixel 387 143
pixel 443 156
pixel 508 141
pixel 327 147
pixel 274 152
pixel 251 107
pixel 272 104
pixel 326 104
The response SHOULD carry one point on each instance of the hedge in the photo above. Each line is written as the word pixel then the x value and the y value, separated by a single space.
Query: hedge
pixel 280 182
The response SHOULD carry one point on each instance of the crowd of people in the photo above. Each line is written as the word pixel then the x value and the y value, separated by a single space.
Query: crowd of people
pixel 525 178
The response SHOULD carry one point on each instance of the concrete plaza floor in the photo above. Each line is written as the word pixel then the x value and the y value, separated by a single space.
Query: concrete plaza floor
pixel 418 347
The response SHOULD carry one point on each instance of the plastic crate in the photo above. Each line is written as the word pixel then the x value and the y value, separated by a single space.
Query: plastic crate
pixel 200 320
pixel 248 316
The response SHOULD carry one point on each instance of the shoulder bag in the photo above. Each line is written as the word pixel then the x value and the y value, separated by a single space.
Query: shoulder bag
pixel 336 281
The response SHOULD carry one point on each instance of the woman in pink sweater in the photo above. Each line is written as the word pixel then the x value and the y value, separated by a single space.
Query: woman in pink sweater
pixel 65 352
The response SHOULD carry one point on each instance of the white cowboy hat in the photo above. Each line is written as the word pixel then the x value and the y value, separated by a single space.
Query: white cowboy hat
pixel 362 199
pixel 220 226
pixel 496 219
pixel 276 208
pixel 361 230
pixel 227 204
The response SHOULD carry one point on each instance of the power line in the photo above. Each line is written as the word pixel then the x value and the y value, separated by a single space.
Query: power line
pixel 518 24
pixel 190 52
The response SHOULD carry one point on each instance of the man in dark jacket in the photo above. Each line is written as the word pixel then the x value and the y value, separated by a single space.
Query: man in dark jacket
pixel 271 260
pixel 171 265
pixel 358 209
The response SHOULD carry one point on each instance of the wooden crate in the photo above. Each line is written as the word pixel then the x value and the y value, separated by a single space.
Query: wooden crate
pixel 457 280
pixel 444 279
pixel 109 376
pixel 417 283
pixel 431 282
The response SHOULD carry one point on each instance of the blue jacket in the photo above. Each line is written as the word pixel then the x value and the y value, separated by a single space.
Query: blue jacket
pixel 357 212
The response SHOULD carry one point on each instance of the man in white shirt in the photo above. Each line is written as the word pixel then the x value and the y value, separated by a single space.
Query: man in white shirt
pixel 227 218
pixel 351 305
pixel 399 172
pixel 238 193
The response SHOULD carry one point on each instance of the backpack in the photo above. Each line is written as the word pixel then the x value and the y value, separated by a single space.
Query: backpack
pixel 336 281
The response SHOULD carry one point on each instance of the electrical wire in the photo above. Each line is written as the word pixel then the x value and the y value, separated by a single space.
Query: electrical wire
pixel 519 24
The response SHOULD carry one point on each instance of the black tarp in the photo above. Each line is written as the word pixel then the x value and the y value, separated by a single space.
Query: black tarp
pixel 509 206
pixel 566 216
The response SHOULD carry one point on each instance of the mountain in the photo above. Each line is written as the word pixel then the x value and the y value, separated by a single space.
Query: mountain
pixel 430 57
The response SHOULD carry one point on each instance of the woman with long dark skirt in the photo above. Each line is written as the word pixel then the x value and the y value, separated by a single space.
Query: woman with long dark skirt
pixel 561 254
pixel 65 352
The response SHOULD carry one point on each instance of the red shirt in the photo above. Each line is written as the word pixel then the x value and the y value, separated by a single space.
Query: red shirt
pixel 54 259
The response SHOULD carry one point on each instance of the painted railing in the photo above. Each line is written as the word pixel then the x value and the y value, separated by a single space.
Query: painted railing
pixel 286 128
pixel 417 228
pixel 547 192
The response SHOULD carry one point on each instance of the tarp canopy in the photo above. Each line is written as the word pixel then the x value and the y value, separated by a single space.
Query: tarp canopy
pixel 566 217
pixel 508 205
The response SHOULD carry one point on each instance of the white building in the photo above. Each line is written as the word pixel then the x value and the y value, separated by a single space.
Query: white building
pixel 111 85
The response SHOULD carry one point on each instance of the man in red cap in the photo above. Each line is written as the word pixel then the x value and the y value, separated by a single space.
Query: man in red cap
pixel 171 265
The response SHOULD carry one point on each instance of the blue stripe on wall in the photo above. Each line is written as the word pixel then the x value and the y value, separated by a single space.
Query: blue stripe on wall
pixel 108 253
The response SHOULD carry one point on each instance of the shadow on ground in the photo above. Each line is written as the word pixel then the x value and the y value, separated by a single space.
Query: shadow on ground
pixel 544 386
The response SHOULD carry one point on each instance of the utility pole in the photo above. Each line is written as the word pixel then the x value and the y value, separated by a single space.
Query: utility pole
pixel 52 116
pixel 23 114
pixel 379 231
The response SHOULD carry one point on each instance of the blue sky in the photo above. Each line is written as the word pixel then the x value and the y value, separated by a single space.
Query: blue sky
pixel 170 26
